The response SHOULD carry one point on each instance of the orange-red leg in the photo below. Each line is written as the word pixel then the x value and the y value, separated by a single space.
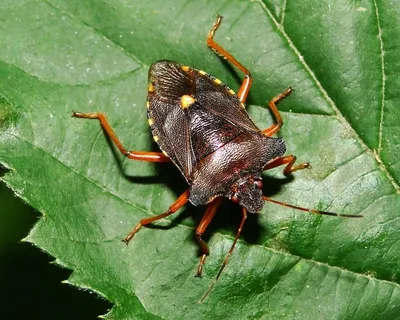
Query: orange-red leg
pixel 225 262
pixel 289 161
pixel 247 81
pixel 205 221
pixel 179 203
pixel 272 105
pixel 135 155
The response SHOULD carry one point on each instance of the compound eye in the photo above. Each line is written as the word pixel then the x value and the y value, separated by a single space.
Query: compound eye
pixel 235 198
pixel 258 184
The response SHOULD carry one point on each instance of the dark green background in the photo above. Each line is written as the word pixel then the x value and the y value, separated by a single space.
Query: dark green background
pixel 30 285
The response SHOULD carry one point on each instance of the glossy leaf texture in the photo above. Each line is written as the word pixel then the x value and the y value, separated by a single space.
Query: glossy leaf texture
pixel 343 60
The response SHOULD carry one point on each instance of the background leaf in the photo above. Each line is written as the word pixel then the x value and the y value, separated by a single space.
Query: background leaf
pixel 342 59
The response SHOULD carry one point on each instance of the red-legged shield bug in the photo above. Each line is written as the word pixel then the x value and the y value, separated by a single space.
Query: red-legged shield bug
pixel 202 126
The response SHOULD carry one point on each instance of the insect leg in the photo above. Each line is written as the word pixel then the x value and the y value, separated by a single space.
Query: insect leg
pixel 247 81
pixel 224 263
pixel 135 155
pixel 272 105
pixel 179 203
pixel 239 231
pixel 205 221
pixel 312 210
pixel 289 161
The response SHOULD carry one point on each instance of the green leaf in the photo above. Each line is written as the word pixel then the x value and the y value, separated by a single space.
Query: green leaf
pixel 342 58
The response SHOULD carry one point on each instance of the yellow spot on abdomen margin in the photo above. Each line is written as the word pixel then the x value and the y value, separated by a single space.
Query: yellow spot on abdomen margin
pixel 217 81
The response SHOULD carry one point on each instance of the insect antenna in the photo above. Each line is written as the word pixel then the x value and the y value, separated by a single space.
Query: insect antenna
pixel 314 211
pixel 225 262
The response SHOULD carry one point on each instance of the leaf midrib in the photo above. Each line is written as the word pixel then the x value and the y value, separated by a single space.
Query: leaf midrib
pixel 383 78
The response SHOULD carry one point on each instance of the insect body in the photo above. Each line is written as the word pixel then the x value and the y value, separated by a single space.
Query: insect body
pixel 202 127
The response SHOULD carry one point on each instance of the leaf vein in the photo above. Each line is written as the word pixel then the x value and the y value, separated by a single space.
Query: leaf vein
pixel 383 77
pixel 283 12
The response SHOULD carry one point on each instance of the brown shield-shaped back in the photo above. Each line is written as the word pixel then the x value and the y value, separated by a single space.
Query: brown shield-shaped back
pixel 184 106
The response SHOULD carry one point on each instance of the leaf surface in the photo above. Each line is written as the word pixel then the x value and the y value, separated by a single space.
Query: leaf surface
pixel 342 59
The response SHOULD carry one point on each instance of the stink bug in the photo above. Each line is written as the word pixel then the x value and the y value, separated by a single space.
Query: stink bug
pixel 202 126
